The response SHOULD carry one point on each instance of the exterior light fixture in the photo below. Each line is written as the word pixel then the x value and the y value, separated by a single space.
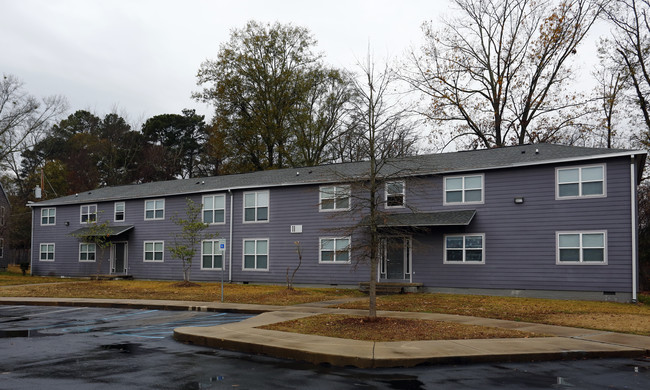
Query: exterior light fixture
pixel 519 200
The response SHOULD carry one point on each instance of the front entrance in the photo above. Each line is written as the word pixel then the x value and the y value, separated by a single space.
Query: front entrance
pixel 396 259
pixel 119 258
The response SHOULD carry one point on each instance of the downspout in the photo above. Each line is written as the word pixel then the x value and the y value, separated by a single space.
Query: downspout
pixel 31 253
pixel 633 201
pixel 230 240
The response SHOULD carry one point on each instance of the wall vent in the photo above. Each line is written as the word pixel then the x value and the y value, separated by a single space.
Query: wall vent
pixel 296 228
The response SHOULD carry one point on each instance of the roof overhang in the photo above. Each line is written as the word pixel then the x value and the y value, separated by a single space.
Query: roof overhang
pixel 440 218
pixel 112 231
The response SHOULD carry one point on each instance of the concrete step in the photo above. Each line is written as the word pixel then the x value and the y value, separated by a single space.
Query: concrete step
pixel 386 288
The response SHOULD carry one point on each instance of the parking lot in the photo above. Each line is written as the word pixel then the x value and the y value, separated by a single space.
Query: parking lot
pixel 94 348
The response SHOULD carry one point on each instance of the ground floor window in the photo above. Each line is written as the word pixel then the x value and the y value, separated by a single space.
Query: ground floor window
pixel 154 250
pixel 87 252
pixel 256 254
pixel 212 254
pixel 581 248
pixel 46 252
pixel 335 250
pixel 465 248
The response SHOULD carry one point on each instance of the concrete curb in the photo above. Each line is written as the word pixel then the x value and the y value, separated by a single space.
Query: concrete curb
pixel 566 343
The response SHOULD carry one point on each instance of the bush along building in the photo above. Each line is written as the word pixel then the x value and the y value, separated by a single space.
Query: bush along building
pixel 536 220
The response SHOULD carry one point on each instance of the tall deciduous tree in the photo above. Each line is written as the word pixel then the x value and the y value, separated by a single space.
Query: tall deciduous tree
pixel 275 102
pixel 496 74
pixel 627 54
pixel 23 118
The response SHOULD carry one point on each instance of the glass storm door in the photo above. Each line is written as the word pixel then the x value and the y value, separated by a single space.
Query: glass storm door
pixel 119 258
pixel 395 258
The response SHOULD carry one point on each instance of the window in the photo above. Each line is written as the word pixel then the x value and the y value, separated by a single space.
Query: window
pixel 87 252
pixel 334 198
pixel 578 182
pixel 154 209
pixel 581 248
pixel 464 189
pixel 256 206
pixel 214 209
pixel 465 248
pixel 2 247
pixel 211 255
pixel 120 210
pixel 2 215
pixel 47 252
pixel 48 216
pixel 89 213
pixel 335 250
pixel 256 254
pixel 153 250
pixel 395 193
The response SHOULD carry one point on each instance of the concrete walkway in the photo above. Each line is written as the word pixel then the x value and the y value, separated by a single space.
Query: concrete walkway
pixel 244 336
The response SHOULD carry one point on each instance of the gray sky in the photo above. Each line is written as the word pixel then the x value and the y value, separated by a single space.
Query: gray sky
pixel 140 57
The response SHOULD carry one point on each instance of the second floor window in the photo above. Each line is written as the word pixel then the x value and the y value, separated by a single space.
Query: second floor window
pixel 580 182
pixel 89 213
pixel 214 209
pixel 2 216
pixel 464 189
pixel 256 206
pixel 48 216
pixel 154 209
pixel 335 198
pixel 120 210
pixel 395 194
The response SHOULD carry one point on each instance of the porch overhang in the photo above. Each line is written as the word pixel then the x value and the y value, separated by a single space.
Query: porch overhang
pixel 438 218
pixel 112 231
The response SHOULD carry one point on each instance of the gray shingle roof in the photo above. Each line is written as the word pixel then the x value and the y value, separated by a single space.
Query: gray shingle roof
pixel 439 218
pixel 441 163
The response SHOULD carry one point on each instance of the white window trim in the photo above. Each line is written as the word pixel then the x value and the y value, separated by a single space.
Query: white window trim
pixel 268 207
pixel 154 209
pixel 115 212
pixel 144 251
pixel 213 209
pixel 403 193
pixel 95 252
pixel 347 187
pixel 268 256
pixel 40 245
pixel 580 196
pixel 89 213
pixel 49 224
pixel 581 262
pixel 444 190
pixel 320 250
pixel 444 245
pixel 223 256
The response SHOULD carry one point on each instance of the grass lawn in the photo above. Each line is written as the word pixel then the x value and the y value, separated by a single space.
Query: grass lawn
pixel 610 316
pixel 618 317
pixel 392 329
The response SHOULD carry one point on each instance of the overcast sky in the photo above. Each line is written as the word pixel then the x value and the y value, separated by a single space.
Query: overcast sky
pixel 141 57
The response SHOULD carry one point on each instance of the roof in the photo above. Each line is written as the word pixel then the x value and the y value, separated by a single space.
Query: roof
pixel 440 218
pixel 441 163
pixel 113 231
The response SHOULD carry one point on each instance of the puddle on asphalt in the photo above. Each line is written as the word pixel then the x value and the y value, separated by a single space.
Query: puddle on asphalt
pixel 8 333
pixel 122 347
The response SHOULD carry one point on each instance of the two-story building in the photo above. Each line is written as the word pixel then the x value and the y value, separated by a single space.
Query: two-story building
pixel 4 220
pixel 535 220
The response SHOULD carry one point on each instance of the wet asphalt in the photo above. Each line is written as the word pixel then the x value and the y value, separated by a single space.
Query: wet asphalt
pixel 96 348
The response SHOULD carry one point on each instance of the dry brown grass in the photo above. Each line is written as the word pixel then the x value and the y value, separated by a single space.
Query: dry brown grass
pixel 206 292
pixel 13 276
pixel 610 316
pixel 391 329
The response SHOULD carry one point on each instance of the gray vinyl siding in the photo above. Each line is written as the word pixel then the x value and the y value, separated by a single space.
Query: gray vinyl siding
pixel 520 240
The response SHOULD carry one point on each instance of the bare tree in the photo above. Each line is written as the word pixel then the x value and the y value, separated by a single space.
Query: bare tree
pixel 495 74
pixel 628 48
pixel 23 118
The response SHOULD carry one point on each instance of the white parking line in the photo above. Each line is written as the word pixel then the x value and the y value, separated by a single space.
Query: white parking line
pixel 56 311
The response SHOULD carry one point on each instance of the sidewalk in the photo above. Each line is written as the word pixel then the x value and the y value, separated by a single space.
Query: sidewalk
pixel 565 343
